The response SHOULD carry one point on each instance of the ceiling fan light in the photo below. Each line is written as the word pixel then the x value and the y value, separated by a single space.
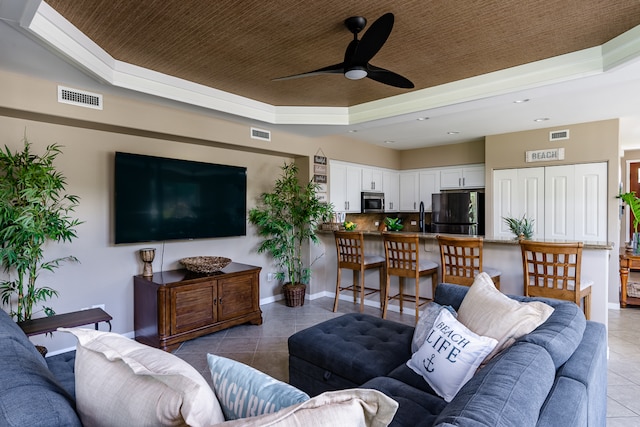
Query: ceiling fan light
pixel 356 73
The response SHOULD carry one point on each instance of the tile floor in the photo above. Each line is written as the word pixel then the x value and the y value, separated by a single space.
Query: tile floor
pixel 265 348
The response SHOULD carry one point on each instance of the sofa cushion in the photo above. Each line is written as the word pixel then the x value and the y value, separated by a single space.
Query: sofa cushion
pixel 122 382
pixel 487 311
pixel 558 412
pixel 450 355
pixel 353 408
pixel 509 391
pixel 355 346
pixel 29 393
pixel 417 408
pixel 62 366
pixel 243 391
pixel 561 333
pixel 425 322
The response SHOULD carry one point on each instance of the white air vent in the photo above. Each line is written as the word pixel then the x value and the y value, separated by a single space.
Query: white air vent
pixel 556 135
pixel 264 135
pixel 80 98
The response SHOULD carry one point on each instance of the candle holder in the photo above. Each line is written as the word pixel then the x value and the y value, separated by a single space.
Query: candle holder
pixel 147 255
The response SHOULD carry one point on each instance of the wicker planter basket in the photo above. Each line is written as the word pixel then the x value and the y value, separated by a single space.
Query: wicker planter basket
pixel 294 294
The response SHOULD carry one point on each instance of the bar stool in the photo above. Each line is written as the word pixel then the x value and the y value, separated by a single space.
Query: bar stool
pixel 350 248
pixel 552 270
pixel 403 260
pixel 461 259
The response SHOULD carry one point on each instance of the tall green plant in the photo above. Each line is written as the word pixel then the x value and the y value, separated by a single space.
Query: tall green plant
pixel 634 204
pixel 34 209
pixel 288 218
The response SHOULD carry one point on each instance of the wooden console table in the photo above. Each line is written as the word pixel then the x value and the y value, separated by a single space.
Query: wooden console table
pixel 175 306
pixel 628 261
pixel 67 320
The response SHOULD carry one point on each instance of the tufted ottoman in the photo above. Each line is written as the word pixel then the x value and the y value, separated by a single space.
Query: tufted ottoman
pixel 346 352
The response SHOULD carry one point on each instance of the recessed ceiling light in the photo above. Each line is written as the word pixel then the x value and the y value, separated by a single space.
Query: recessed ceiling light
pixel 420 119
pixel 389 142
pixel 453 132
pixel 541 119
pixel 520 101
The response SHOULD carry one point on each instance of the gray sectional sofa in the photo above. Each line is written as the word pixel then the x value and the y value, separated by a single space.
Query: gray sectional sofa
pixel 553 376
pixel 34 391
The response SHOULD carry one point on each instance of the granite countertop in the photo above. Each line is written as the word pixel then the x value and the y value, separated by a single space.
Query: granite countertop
pixel 499 240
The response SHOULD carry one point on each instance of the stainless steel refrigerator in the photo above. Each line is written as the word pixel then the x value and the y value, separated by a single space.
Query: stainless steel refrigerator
pixel 458 212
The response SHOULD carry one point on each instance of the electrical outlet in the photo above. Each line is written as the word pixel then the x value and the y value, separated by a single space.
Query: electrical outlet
pixel 377 223
pixel 270 277
pixel 414 223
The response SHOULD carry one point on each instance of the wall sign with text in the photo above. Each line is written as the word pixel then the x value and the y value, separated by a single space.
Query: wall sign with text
pixel 544 155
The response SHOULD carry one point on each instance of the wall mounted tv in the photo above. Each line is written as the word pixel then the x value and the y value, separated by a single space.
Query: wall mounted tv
pixel 168 199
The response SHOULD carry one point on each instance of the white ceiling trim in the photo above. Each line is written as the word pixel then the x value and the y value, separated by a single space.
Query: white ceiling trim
pixel 60 35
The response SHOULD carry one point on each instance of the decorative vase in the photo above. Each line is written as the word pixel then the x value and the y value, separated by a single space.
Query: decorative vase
pixel 294 294
pixel 635 243
pixel 147 255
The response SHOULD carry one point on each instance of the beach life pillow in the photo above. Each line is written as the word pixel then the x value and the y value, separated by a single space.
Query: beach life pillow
pixel 246 392
pixel 488 312
pixel 121 382
pixel 450 355
pixel 425 322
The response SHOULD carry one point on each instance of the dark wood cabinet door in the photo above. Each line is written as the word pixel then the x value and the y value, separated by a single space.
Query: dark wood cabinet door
pixel 237 296
pixel 193 306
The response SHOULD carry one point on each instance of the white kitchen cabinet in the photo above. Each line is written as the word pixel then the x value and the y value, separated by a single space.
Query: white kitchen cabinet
pixel 409 191
pixel 372 179
pixel 344 186
pixel 429 183
pixel 462 177
pixel 391 185
pixel 566 202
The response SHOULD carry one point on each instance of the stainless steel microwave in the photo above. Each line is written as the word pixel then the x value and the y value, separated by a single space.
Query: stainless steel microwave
pixel 372 202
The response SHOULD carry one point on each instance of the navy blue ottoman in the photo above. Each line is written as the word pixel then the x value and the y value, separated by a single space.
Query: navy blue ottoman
pixel 346 352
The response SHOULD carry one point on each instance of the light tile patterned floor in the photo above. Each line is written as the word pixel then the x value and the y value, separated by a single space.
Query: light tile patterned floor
pixel 265 348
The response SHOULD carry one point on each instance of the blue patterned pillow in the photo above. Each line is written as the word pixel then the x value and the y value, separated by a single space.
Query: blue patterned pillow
pixel 246 392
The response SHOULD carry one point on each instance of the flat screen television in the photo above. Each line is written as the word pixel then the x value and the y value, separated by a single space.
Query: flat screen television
pixel 160 199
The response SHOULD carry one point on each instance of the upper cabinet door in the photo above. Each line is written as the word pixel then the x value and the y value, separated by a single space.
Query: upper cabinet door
pixel 391 185
pixel 409 186
pixel 429 184
pixel 451 178
pixel 372 179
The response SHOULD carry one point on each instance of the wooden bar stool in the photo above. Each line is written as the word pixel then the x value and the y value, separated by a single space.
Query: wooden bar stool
pixel 402 256
pixel 350 247
pixel 552 270
pixel 461 259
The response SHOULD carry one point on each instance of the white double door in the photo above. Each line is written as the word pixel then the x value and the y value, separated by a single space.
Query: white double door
pixel 566 202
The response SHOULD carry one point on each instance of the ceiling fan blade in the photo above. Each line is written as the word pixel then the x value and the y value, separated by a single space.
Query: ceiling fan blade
pixel 373 39
pixel 331 69
pixel 388 77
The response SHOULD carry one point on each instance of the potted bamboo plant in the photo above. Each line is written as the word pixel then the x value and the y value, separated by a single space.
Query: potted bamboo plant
pixel 34 210
pixel 287 218
pixel 633 202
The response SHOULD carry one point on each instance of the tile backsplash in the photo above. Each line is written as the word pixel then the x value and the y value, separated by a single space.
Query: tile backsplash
pixel 367 222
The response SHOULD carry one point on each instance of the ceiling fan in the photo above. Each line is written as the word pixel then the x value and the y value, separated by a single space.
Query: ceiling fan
pixel 359 52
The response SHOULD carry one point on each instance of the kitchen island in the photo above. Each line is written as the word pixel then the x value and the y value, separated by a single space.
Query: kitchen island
pixel 500 253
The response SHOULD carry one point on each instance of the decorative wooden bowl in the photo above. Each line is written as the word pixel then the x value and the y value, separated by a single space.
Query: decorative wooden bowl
pixel 205 264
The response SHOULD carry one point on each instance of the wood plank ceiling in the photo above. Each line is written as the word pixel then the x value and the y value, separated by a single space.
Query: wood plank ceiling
pixel 240 46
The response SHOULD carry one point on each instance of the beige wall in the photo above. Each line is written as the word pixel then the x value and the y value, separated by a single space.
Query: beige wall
pixel 466 153
pixel 588 143
pixel 90 138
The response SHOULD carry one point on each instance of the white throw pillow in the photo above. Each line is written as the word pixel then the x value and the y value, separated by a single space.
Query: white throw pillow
pixel 450 355
pixel 120 382
pixel 487 311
